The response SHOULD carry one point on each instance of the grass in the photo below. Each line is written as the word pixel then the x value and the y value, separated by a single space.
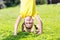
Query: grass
pixel 50 15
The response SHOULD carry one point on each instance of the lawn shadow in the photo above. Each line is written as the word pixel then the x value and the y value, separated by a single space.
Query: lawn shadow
pixel 58 38
pixel 18 37
pixel 55 39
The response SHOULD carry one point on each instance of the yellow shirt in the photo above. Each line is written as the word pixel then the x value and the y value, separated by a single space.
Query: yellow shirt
pixel 28 8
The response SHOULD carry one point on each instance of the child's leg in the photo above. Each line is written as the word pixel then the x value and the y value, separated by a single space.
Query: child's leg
pixel 39 25
pixel 16 25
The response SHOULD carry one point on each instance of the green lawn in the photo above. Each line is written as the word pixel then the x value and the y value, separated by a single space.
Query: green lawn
pixel 50 15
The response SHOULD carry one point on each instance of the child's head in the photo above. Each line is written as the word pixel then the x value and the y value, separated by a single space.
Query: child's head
pixel 29 22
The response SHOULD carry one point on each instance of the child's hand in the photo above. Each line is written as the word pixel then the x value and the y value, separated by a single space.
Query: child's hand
pixel 38 32
pixel 15 34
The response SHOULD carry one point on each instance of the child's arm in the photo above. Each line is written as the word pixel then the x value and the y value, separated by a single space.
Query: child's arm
pixel 39 25
pixel 16 25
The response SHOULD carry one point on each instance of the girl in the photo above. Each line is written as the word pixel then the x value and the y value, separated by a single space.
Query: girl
pixel 28 8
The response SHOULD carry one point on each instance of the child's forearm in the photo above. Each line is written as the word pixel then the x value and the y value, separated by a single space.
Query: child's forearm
pixel 39 24
pixel 16 25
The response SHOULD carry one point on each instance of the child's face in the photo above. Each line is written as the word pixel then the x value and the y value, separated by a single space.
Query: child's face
pixel 29 22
